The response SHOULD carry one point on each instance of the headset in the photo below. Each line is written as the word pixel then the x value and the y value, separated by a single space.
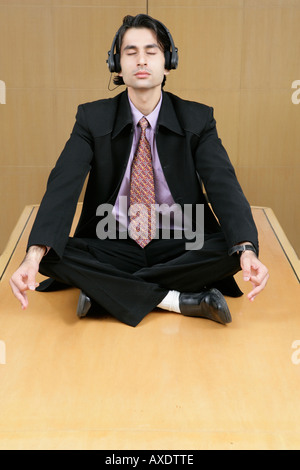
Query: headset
pixel 171 57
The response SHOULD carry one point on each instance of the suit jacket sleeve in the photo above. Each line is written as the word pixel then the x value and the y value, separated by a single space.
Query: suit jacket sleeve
pixel 223 189
pixel 56 212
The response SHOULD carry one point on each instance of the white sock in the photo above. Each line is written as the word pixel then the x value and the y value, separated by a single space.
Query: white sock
pixel 171 302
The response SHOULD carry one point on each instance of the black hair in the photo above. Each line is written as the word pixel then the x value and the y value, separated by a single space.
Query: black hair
pixel 142 21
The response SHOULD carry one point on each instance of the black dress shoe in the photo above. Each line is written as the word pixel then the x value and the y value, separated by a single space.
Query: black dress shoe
pixel 83 306
pixel 210 304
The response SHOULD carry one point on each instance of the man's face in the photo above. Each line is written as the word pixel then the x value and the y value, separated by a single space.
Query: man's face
pixel 142 59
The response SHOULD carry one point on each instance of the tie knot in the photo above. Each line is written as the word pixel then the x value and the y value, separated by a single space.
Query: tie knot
pixel 143 123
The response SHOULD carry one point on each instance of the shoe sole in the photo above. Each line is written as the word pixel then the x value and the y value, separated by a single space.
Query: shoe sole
pixel 82 306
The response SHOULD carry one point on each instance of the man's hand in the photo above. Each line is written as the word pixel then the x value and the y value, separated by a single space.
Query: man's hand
pixel 25 277
pixel 255 272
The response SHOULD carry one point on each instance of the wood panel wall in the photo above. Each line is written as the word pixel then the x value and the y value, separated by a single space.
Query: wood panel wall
pixel 239 56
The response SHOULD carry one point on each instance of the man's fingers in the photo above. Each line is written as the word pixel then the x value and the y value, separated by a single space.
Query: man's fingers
pixel 255 272
pixel 22 297
pixel 19 292
pixel 259 282
pixel 24 278
pixel 21 281
pixel 31 284
pixel 254 293
pixel 246 267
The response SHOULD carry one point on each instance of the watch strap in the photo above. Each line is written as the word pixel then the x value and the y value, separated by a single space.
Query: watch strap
pixel 239 249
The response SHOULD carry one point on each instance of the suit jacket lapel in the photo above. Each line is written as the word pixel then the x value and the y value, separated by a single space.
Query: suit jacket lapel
pixel 121 140
pixel 171 146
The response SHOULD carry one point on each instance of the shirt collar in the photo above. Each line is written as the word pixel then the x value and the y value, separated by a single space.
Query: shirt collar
pixel 167 114
pixel 151 118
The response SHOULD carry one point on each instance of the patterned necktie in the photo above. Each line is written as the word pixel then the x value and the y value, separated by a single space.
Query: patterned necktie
pixel 142 192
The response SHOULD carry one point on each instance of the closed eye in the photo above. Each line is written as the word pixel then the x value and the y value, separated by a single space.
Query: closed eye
pixel 151 49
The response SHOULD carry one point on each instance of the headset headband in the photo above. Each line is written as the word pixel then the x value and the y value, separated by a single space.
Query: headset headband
pixel 171 57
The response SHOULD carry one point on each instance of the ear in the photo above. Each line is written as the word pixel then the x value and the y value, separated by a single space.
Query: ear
pixel 166 72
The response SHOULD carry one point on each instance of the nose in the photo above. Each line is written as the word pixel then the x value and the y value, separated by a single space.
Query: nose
pixel 142 59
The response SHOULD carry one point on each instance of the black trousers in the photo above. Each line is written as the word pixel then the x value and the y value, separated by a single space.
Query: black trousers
pixel 128 282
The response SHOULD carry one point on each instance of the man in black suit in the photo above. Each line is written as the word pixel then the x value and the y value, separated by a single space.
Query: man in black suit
pixel 173 147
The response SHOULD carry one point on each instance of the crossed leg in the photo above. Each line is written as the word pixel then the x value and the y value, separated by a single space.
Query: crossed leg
pixel 128 282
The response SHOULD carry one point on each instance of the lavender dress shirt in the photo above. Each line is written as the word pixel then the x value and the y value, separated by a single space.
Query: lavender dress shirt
pixel 162 191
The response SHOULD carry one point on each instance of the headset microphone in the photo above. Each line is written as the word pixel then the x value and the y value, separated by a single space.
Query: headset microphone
pixel 108 86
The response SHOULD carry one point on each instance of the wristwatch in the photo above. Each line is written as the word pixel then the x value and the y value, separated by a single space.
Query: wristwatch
pixel 239 249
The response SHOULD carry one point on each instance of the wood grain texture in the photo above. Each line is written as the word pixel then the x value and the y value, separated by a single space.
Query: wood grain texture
pixel 171 383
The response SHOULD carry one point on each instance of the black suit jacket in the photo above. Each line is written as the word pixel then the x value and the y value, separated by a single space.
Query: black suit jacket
pixel 190 151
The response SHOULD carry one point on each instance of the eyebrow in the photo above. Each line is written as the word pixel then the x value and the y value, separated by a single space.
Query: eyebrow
pixel 149 46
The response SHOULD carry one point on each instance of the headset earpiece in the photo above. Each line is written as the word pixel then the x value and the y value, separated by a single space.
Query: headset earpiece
pixel 117 64
pixel 168 60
